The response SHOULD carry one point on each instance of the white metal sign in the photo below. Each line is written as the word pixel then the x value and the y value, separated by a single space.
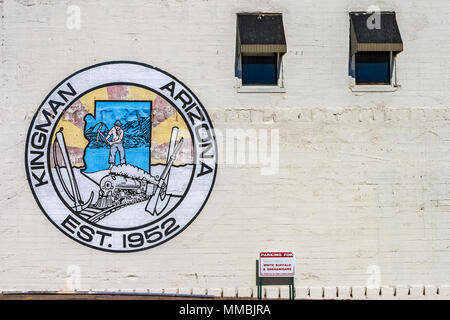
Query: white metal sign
pixel 277 264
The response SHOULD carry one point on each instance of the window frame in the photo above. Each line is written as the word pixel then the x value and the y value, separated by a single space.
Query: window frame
pixel 273 72
pixel 392 86
pixel 276 88
pixel 386 72
pixel 277 49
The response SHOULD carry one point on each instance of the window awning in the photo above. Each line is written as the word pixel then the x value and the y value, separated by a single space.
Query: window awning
pixel 260 33
pixel 385 38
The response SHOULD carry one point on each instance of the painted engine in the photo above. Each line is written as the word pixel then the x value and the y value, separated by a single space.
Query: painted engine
pixel 118 190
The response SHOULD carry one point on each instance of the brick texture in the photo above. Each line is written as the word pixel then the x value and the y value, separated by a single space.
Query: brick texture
pixel 362 178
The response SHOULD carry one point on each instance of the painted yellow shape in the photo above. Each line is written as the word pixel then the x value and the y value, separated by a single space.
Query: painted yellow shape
pixel 138 93
pixel 159 161
pixel 73 135
pixel 161 133
pixel 88 100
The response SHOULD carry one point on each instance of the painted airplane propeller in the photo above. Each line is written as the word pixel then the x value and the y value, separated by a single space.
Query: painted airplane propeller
pixel 160 199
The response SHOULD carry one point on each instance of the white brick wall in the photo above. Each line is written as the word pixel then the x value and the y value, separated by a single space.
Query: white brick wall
pixel 363 177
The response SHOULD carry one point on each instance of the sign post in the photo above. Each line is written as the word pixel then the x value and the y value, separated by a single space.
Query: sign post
pixel 276 265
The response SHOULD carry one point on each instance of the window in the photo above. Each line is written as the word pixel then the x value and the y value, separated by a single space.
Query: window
pixel 373 68
pixel 259 70
pixel 260 45
pixel 375 42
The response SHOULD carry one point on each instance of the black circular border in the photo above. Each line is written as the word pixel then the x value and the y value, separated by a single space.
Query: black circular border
pixel 92 67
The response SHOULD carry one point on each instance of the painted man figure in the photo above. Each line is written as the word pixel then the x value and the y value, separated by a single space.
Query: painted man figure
pixel 116 144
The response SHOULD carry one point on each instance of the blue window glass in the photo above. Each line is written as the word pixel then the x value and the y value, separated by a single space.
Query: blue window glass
pixel 373 68
pixel 259 70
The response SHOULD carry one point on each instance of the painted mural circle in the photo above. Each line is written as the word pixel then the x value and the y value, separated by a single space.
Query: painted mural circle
pixel 121 156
